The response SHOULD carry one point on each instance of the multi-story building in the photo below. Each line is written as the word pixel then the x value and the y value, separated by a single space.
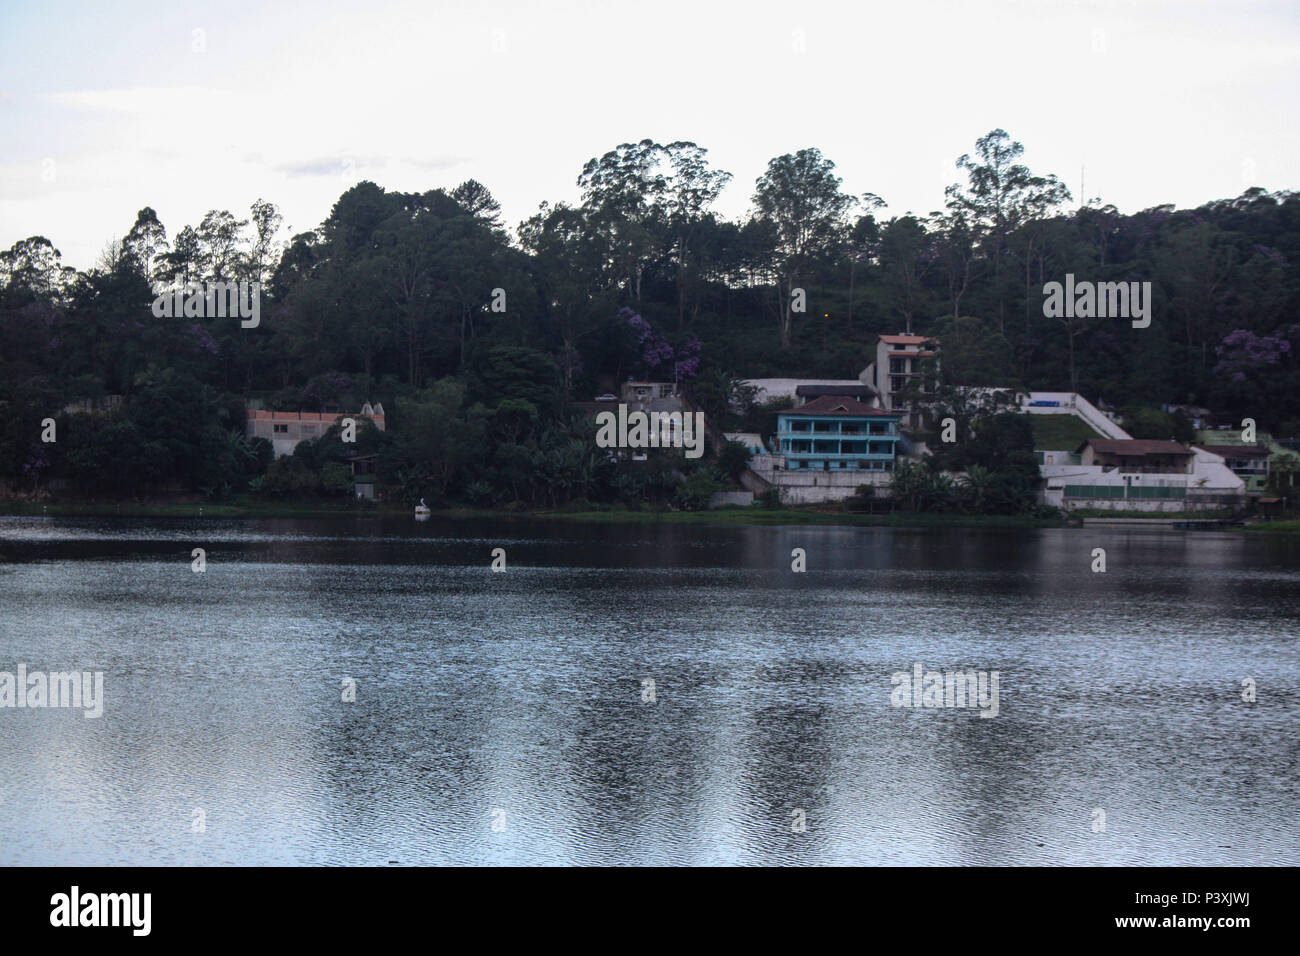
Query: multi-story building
pixel 284 430
pixel 829 447
pixel 836 433
pixel 899 359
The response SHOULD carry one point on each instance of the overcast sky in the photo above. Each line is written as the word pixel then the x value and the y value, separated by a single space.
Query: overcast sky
pixel 186 107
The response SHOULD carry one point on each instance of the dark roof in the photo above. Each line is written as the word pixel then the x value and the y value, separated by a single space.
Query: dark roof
pixel 1135 447
pixel 812 391
pixel 1236 451
pixel 836 405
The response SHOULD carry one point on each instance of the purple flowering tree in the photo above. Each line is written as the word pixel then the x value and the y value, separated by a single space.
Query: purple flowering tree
pixel 1243 353
pixel 658 353
pixel 1255 369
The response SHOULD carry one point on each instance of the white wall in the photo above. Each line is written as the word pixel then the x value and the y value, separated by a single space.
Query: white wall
pixel 1073 403
pixel 809 487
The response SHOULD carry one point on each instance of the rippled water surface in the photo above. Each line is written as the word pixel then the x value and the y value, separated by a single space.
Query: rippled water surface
pixel 517 698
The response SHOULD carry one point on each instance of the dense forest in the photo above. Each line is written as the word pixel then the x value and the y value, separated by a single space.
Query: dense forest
pixel 476 340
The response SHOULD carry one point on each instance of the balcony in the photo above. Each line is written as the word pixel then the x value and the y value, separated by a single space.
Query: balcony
pixel 886 432
pixel 838 456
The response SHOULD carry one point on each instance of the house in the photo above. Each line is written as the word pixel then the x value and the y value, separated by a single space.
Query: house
pixel 1137 455
pixel 770 389
pixel 363 475
pixel 828 447
pixel 284 430
pixel 899 359
pixel 643 393
pixel 100 405
pixel 1139 475
pixel 833 433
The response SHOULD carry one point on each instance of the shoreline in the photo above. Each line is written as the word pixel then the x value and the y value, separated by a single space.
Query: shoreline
pixel 724 516
pixel 753 516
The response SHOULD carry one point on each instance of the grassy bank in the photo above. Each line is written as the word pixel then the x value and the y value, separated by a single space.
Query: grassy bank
pixel 328 508
pixel 1217 515
pixel 784 516
pixel 252 508
pixel 1275 527
pixel 183 509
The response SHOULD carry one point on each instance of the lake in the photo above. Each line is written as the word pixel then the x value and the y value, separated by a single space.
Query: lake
pixel 510 718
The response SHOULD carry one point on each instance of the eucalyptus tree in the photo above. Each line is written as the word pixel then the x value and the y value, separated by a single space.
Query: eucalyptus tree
pixel 220 240
pixel 800 196
pixel 621 194
pixel 906 258
pixel 578 291
pixel 146 244
pixel 863 243
pixel 1000 195
pixel 266 221
pixel 689 190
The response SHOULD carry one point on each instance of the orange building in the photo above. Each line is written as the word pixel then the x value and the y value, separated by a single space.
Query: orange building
pixel 285 429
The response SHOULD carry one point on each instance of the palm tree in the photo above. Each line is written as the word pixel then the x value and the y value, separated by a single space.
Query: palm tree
pixel 975 487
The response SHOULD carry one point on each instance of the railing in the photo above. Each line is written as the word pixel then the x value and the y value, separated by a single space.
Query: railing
pixel 791 433
pixel 846 456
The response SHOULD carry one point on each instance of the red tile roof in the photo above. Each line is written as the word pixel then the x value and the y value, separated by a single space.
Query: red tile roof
pixel 258 414
pixel 906 339
pixel 839 405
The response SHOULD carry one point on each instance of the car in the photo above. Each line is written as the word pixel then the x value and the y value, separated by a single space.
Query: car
pixel 607 398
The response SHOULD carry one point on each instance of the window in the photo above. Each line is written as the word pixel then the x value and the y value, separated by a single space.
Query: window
pixel 898 365
pixel 282 429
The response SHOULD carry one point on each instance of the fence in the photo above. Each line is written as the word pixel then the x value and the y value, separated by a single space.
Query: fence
pixel 1117 491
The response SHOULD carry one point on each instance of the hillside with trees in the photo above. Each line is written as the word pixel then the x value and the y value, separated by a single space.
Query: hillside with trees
pixel 477 338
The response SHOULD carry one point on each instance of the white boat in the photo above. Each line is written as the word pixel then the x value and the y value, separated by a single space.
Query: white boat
pixel 422 510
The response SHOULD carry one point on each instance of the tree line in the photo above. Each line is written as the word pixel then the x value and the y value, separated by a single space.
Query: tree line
pixel 477 339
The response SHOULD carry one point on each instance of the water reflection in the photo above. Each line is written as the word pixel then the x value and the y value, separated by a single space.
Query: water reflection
pixel 521 693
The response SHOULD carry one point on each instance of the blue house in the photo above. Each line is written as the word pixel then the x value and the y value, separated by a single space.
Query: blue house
pixel 838 433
